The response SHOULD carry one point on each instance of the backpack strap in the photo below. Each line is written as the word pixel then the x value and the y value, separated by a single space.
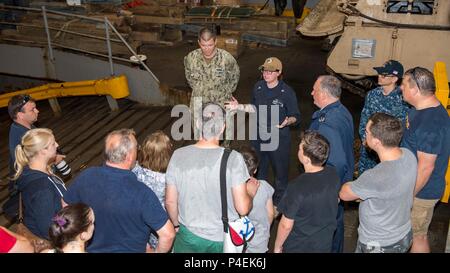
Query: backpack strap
pixel 20 219
pixel 223 188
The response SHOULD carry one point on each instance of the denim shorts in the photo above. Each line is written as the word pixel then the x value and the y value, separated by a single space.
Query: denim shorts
pixel 402 246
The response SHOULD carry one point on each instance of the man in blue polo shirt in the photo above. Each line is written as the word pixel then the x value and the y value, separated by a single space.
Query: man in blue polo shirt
pixel 427 135
pixel 22 110
pixel 335 123
pixel 125 209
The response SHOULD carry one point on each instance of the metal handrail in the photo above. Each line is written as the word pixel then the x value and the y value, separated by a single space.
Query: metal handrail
pixel 106 21
pixel 61 30
pixel 71 48
pixel 131 50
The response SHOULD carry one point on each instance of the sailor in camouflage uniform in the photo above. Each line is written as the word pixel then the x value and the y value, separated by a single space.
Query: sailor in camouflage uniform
pixel 386 98
pixel 212 73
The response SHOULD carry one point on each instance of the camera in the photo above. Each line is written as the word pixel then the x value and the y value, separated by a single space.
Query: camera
pixel 63 168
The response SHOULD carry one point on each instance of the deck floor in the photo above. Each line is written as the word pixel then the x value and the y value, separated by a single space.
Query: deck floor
pixel 81 129
pixel 85 122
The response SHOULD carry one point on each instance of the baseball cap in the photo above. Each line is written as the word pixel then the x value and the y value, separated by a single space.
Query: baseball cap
pixel 272 64
pixel 390 68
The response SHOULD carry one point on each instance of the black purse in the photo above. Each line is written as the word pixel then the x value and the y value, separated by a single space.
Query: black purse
pixel 11 206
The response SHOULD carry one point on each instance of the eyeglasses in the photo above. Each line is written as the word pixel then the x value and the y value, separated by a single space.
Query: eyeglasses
pixel 26 98
pixel 385 76
pixel 268 71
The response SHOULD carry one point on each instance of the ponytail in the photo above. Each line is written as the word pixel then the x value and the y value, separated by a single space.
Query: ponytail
pixel 31 143
pixel 21 161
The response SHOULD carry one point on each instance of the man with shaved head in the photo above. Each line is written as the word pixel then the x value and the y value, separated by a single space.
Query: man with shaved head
pixel 125 210
pixel 211 72
pixel 213 75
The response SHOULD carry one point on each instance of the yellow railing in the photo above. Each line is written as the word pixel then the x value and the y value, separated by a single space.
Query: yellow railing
pixel 116 87
pixel 442 93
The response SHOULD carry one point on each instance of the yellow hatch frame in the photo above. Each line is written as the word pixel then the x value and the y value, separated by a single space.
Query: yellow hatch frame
pixel 116 87
pixel 442 93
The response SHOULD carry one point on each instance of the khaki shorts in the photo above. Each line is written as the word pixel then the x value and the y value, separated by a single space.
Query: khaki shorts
pixel 421 214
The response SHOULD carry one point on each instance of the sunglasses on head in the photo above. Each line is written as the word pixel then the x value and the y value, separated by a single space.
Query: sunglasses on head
pixel 413 76
pixel 26 98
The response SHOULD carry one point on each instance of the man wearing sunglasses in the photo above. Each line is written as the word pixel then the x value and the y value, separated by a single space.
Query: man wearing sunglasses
pixel 427 135
pixel 386 98
pixel 22 110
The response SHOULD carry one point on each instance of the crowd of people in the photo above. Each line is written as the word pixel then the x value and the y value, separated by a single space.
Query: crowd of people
pixel 155 199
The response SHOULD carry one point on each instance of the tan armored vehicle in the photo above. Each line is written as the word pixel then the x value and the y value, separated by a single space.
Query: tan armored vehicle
pixel 366 33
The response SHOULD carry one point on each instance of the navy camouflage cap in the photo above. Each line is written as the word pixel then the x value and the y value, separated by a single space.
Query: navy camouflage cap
pixel 390 68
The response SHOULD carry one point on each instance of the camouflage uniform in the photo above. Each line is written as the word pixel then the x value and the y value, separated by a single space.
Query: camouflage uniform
pixel 376 102
pixel 213 81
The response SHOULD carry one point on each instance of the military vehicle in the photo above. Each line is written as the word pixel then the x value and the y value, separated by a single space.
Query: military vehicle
pixel 366 33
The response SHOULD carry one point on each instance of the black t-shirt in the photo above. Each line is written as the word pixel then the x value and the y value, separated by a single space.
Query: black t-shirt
pixel 311 200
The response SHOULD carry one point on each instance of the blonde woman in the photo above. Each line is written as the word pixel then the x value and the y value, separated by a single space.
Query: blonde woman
pixel 153 159
pixel 41 189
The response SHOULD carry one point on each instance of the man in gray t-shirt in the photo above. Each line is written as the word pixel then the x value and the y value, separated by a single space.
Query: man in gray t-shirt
pixel 386 190
pixel 193 188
